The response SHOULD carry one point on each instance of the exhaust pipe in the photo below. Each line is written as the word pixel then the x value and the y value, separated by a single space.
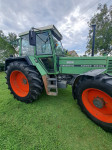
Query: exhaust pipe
pixel 93 44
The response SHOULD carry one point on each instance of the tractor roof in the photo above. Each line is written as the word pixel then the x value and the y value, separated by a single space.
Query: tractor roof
pixel 56 33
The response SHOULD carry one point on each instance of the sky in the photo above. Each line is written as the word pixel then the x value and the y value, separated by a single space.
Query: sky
pixel 70 17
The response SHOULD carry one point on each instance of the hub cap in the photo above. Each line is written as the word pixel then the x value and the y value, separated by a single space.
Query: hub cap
pixel 98 103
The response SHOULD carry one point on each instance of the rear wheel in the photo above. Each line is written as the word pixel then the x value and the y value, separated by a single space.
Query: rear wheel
pixel 95 99
pixel 24 81
pixel 19 83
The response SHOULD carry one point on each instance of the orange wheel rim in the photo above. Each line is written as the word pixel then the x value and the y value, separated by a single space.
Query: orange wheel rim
pixel 19 83
pixel 98 103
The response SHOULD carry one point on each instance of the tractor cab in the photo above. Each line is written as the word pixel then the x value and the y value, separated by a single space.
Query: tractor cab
pixel 43 43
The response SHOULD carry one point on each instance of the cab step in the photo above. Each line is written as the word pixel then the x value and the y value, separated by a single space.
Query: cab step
pixel 51 79
pixel 50 84
pixel 52 93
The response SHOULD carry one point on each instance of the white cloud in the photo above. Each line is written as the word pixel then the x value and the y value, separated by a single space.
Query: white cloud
pixel 74 30
pixel 69 16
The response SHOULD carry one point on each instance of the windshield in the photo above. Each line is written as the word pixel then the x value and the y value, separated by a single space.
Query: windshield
pixel 58 47
pixel 43 45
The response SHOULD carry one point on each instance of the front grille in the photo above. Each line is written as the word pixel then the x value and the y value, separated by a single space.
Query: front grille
pixel 109 70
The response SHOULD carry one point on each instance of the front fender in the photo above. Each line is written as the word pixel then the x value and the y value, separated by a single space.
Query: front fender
pixel 89 74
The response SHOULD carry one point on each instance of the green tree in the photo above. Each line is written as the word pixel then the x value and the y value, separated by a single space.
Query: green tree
pixel 103 37
pixel 11 37
pixel 6 49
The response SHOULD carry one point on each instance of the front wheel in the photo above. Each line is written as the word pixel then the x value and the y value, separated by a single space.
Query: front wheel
pixel 95 99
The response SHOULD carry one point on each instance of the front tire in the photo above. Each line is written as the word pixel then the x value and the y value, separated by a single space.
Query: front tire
pixel 95 100
pixel 24 81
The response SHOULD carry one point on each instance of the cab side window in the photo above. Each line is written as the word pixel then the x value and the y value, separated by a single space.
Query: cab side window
pixel 43 45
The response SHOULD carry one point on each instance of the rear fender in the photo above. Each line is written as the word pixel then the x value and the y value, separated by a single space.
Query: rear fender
pixel 30 61
pixel 12 59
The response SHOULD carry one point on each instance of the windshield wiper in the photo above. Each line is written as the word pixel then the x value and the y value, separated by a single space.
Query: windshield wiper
pixel 47 38
pixel 41 38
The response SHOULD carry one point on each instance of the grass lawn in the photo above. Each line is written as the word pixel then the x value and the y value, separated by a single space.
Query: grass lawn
pixel 50 123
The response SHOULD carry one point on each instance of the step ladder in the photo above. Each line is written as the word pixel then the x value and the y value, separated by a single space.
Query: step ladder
pixel 52 86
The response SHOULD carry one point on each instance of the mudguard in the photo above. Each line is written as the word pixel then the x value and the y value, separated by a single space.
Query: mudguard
pixel 91 73
pixel 12 59
pixel 30 61
pixel 94 72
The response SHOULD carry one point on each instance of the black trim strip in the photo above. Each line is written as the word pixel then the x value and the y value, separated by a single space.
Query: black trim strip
pixel 101 66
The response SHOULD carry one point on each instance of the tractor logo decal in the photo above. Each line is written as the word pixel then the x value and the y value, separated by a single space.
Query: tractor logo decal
pixel 100 66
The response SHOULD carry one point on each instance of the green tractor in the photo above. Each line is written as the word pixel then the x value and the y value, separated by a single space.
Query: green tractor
pixel 42 63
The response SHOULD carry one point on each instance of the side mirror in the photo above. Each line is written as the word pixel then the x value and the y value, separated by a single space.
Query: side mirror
pixel 32 38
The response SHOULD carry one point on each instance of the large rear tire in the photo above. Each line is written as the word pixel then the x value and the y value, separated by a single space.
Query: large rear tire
pixel 94 97
pixel 24 81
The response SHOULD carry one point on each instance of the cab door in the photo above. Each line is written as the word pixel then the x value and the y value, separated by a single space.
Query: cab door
pixel 44 51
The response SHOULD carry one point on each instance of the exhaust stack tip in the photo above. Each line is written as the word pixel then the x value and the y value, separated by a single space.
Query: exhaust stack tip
pixel 93 44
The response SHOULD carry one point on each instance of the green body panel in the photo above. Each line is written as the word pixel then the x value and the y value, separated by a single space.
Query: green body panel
pixel 75 65
pixel 39 67
pixel 80 65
